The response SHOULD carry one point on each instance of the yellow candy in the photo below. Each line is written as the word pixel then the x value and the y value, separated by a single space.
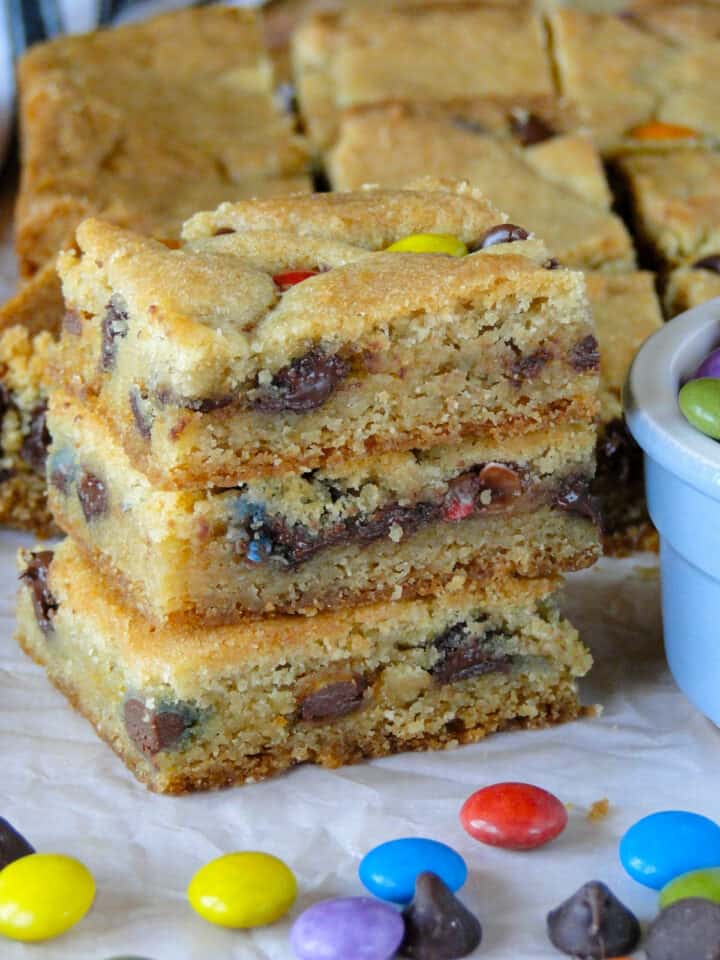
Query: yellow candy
pixel 243 890
pixel 430 243
pixel 43 895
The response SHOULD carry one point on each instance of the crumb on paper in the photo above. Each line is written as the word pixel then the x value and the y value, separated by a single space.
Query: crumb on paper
pixel 598 810
pixel 592 712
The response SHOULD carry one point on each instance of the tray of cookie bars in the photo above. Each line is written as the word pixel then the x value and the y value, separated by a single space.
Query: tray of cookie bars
pixel 330 602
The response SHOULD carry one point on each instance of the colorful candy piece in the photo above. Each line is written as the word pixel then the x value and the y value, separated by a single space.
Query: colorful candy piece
pixel 390 870
pixel 437 925
pixel 429 243
pixel 710 367
pixel 516 816
pixel 686 930
pixel 292 277
pixel 42 895
pixel 665 845
pixel 347 928
pixel 656 130
pixel 501 233
pixel 699 883
pixel 700 403
pixel 242 890
pixel 593 923
pixel 13 845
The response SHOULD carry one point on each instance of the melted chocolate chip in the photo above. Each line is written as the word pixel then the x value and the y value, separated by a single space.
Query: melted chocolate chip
pixel 366 529
pixel 529 128
pixel 72 322
pixel 35 443
pixel 114 327
pixel 686 930
pixel 463 656
pixel 574 496
pixel 711 262
pixel 437 925
pixel 530 366
pixel 334 700
pixel 303 385
pixel 502 233
pixel 35 577
pixel 593 924
pixel 154 730
pixel 93 496
pixel 141 414
pixel 585 354
pixel 13 845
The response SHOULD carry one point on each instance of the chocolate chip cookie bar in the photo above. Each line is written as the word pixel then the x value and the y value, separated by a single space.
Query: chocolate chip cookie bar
pixel 556 188
pixel 195 708
pixel 390 526
pixel 675 200
pixel 692 285
pixel 214 364
pixel 424 53
pixel 627 312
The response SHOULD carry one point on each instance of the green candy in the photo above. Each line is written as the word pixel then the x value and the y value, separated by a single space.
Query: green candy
pixel 699 883
pixel 700 403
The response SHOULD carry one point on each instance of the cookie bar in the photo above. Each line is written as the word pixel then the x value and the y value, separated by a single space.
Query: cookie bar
pixel 427 53
pixel 692 285
pixel 212 372
pixel 636 84
pixel 23 432
pixel 391 526
pixel 675 200
pixel 627 312
pixel 557 187
pixel 191 709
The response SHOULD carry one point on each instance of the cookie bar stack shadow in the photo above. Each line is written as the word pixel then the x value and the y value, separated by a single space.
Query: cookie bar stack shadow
pixel 320 486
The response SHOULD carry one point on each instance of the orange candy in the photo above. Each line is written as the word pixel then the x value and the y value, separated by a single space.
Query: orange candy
pixel 655 130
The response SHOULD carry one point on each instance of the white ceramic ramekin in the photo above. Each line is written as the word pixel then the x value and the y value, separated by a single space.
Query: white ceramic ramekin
pixel 682 479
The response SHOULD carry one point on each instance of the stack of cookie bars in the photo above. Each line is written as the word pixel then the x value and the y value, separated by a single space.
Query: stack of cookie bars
pixel 319 492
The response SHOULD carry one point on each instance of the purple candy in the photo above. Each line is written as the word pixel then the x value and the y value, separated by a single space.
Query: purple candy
pixel 710 367
pixel 348 928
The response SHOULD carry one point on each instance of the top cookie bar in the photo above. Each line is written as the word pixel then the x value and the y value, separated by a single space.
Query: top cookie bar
pixel 215 363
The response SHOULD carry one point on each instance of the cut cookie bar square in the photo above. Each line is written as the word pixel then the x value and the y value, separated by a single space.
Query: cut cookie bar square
pixel 390 526
pixel 213 372
pixel 675 199
pixel 556 188
pixel 626 312
pixel 190 709
pixel 428 53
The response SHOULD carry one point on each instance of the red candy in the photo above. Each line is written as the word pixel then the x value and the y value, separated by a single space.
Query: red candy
pixel 516 816
pixel 291 277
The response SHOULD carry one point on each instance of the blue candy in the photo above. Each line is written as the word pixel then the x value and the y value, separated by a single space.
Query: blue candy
pixel 259 550
pixel 665 845
pixel 389 871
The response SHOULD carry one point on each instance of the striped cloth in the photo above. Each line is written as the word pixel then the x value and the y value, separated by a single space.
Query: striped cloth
pixel 25 22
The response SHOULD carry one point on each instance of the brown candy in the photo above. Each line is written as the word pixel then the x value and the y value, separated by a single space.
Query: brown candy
pixel 502 233
pixel 154 730
pixel 93 496
pixel 437 925
pixel 35 577
pixel 303 385
pixel 334 700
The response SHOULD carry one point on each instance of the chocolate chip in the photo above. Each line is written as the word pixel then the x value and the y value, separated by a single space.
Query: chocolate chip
pixel 437 925
pixel 530 366
pixel 35 577
pixel 585 354
pixel 303 385
pixel 72 322
pixel 619 455
pixel 686 930
pixel 529 128
pixel 114 327
pixel 711 262
pixel 35 443
pixel 334 700
pixel 13 845
pixel 222 231
pixel 154 730
pixel 141 413
pixel 378 524
pixel 502 233
pixel 463 656
pixel 574 496
pixel 93 496
pixel 593 924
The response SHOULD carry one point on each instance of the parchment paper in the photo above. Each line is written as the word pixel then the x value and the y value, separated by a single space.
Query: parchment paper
pixel 67 792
